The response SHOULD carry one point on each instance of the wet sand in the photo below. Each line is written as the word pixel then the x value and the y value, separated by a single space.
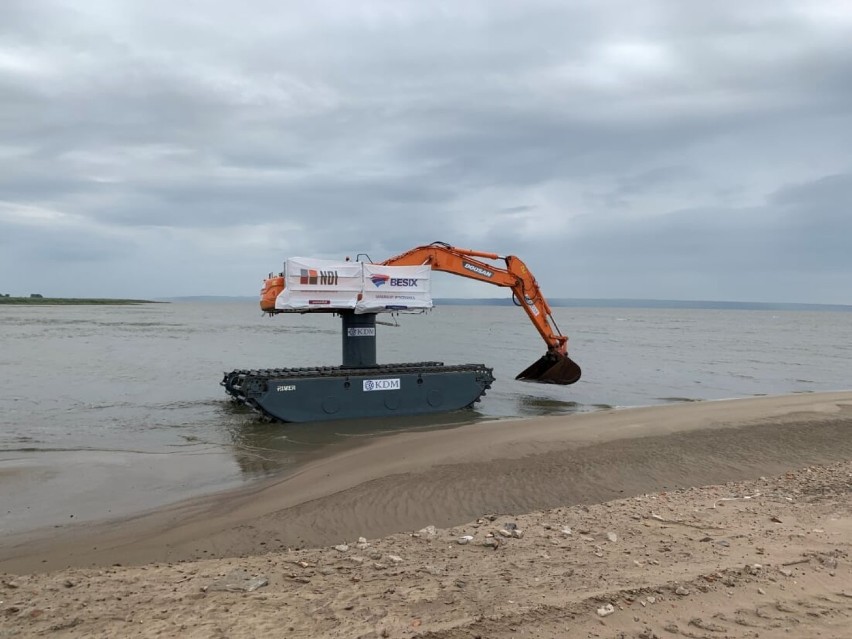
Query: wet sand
pixel 404 482
pixel 709 519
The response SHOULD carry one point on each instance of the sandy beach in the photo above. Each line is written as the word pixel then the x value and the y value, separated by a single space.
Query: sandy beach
pixel 730 518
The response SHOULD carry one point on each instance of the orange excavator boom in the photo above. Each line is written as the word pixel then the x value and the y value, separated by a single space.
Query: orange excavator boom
pixel 555 367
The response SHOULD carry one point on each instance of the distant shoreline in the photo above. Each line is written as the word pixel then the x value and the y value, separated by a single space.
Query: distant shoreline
pixel 487 301
pixel 71 301
pixel 587 303
pixel 655 304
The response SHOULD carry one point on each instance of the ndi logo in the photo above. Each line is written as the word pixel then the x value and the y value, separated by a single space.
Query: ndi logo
pixel 379 279
pixel 381 384
pixel 312 277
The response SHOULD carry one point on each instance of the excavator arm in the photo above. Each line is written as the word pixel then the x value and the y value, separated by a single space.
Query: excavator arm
pixel 555 367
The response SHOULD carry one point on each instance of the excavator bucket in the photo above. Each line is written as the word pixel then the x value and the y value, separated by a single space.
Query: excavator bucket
pixel 552 368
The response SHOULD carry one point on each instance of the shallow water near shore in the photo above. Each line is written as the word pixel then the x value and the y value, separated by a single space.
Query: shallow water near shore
pixel 109 411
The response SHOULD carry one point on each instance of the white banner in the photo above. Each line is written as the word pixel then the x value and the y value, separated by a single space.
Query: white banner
pixel 311 284
pixel 395 288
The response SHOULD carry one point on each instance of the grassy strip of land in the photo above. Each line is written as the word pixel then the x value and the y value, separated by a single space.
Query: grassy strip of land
pixel 69 301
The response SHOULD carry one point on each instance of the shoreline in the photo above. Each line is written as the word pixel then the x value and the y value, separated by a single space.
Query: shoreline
pixel 72 301
pixel 407 480
pixel 766 557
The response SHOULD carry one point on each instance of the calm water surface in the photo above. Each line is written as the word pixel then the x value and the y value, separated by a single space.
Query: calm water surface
pixel 108 411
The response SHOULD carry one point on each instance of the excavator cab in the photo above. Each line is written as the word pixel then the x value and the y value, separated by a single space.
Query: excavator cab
pixel 552 368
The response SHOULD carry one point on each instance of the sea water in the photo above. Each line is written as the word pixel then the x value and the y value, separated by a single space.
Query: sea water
pixel 111 410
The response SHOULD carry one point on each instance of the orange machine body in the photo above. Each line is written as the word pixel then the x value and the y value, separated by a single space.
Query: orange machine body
pixel 554 367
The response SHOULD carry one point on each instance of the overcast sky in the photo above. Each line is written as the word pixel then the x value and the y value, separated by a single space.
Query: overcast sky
pixel 660 149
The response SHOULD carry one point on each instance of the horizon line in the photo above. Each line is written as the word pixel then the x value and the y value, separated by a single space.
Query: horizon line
pixel 577 301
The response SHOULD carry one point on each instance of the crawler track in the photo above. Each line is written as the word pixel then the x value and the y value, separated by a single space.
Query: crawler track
pixel 251 386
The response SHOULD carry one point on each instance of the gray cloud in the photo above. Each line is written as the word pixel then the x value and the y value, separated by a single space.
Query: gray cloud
pixel 668 150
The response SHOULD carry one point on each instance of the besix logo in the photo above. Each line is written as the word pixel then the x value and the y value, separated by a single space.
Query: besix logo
pixel 378 279
pixel 397 282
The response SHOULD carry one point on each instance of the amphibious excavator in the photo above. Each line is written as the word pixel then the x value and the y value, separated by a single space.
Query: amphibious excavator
pixel 357 292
